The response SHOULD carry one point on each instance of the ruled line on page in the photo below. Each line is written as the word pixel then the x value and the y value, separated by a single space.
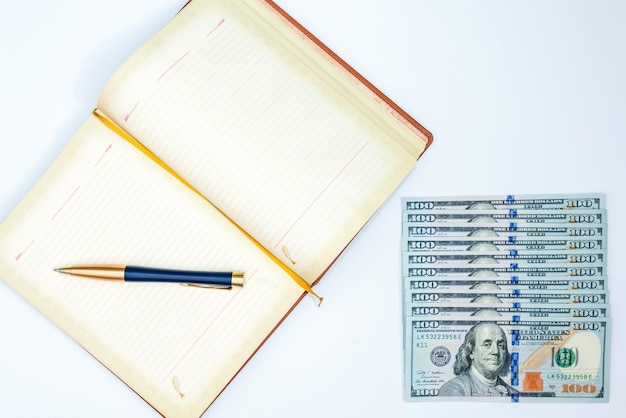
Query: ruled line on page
pixel 290 228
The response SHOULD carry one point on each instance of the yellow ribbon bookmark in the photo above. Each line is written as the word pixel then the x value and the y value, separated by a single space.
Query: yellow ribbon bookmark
pixel 115 128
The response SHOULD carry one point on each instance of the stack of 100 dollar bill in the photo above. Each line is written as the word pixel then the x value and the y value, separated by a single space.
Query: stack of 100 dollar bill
pixel 506 298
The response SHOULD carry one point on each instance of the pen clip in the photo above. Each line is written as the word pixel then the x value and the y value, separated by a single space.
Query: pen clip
pixel 206 286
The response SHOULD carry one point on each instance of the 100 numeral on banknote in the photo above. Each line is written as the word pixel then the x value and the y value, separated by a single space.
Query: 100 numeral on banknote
pixel 526 360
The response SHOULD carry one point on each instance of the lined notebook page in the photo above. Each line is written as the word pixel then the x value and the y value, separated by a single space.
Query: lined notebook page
pixel 104 202
pixel 259 132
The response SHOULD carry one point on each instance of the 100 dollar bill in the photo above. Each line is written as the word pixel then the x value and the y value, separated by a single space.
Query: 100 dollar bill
pixel 432 258
pixel 498 244
pixel 508 272
pixel 503 360
pixel 452 216
pixel 538 312
pixel 511 229
pixel 539 201
pixel 462 284
pixel 507 296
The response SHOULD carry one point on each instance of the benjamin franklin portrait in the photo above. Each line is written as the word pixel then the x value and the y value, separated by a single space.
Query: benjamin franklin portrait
pixel 481 362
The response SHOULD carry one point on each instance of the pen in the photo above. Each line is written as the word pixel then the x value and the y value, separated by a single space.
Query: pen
pixel 146 274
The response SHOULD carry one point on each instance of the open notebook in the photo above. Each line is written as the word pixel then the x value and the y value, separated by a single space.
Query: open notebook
pixel 232 140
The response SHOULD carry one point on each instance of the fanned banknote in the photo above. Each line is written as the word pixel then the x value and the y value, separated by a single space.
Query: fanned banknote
pixel 443 258
pixel 457 284
pixel 541 296
pixel 506 298
pixel 502 243
pixel 532 310
pixel 506 271
pixel 492 359
pixel 545 201
pixel 503 229
pixel 546 216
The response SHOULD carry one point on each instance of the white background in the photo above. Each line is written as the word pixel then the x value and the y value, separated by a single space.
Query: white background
pixel 521 96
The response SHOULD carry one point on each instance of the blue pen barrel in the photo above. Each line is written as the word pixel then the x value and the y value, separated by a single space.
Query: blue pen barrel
pixel 146 274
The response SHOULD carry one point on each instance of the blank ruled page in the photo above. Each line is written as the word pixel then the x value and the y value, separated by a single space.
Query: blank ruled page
pixel 104 202
pixel 260 130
